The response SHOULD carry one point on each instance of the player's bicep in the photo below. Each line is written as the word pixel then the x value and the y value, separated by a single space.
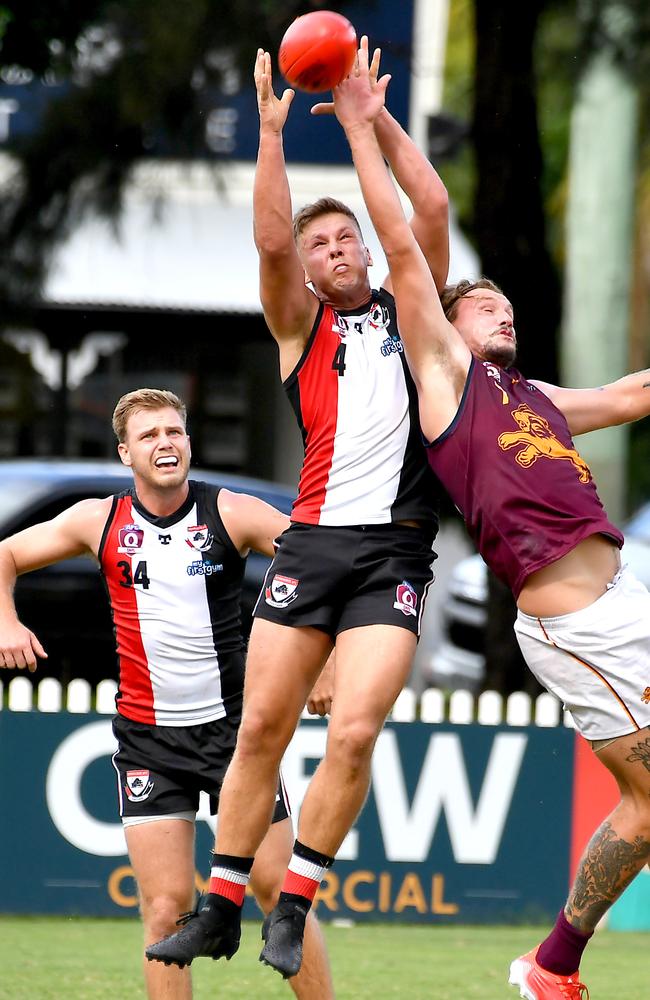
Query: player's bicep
pixel 250 522
pixel 73 532
pixel 584 409
pixel 289 306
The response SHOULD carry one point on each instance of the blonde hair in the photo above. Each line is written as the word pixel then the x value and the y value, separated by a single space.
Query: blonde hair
pixel 324 206
pixel 144 399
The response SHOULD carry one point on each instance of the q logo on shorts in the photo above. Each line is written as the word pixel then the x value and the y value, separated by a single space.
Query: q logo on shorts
pixel 406 599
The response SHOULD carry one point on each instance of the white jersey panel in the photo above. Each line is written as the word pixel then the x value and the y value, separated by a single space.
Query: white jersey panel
pixel 176 627
pixel 373 424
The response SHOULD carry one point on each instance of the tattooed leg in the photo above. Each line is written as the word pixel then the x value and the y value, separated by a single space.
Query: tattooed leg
pixel 621 846
pixel 607 868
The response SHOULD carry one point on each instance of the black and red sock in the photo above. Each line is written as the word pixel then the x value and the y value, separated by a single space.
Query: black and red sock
pixel 304 874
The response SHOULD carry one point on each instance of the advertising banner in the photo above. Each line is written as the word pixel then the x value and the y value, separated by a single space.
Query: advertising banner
pixel 462 823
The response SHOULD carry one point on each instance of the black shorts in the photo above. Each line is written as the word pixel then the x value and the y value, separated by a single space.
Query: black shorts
pixel 162 769
pixel 336 578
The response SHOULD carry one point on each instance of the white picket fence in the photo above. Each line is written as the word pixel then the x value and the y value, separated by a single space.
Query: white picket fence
pixel 433 706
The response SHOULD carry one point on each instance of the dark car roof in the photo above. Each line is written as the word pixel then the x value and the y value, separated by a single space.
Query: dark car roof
pixel 28 481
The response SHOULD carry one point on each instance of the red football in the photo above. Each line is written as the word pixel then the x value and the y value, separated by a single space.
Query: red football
pixel 317 51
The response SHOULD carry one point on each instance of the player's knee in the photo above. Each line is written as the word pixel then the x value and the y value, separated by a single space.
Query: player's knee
pixel 261 736
pixel 267 892
pixel 643 821
pixel 353 742
pixel 159 915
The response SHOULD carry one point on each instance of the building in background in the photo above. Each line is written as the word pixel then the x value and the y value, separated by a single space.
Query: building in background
pixel 168 295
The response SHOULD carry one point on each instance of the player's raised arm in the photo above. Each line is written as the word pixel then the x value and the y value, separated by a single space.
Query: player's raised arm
pixel 619 402
pixel 289 306
pixel 423 327
pixel 418 178
pixel 420 182
pixel 74 532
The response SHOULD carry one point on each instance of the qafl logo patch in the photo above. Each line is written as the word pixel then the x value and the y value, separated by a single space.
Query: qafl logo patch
pixel 129 539
pixel 283 591
pixel 138 785
pixel 406 599
pixel 199 537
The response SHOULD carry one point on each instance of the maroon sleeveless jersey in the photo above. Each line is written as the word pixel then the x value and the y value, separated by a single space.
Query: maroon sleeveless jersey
pixel 509 464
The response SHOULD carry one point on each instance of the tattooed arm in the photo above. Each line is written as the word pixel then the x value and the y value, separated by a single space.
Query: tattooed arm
pixel 620 402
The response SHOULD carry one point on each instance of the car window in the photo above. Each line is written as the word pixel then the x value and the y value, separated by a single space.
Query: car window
pixel 19 494
pixel 639 524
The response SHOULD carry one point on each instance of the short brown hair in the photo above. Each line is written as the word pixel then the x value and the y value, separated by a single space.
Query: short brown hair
pixel 451 294
pixel 324 206
pixel 144 399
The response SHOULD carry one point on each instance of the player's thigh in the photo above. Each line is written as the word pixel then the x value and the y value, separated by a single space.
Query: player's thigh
pixel 628 759
pixel 373 663
pixel 282 665
pixel 162 857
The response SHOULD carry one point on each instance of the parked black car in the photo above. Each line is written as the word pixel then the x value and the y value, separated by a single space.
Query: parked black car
pixel 66 605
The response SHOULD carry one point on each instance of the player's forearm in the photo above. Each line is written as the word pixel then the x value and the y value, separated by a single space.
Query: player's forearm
pixel 379 193
pixel 420 181
pixel 271 196
pixel 633 394
pixel 7 584
pixel 414 173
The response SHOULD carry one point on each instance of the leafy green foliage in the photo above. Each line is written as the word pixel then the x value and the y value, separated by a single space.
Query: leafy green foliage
pixel 137 72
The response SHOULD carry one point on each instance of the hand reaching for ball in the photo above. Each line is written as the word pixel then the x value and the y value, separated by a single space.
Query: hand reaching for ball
pixel 327 107
pixel 273 110
pixel 361 96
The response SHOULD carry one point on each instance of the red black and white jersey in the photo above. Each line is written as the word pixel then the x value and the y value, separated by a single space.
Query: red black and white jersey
pixel 357 409
pixel 174 585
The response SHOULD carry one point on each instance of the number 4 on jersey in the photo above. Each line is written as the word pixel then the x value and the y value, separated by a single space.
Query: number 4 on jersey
pixel 338 361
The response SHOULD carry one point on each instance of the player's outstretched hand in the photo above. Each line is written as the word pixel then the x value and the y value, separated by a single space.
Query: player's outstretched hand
pixel 359 98
pixel 19 648
pixel 327 107
pixel 273 110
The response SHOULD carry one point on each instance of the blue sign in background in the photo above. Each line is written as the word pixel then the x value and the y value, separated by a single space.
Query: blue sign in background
pixel 231 116
pixel 463 823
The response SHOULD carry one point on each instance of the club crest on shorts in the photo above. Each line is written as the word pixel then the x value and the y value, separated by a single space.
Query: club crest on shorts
pixel 138 785
pixel 199 537
pixel 130 538
pixel 283 591
pixel 406 599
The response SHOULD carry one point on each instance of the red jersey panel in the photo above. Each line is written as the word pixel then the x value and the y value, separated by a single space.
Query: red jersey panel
pixel 174 585
pixel 356 406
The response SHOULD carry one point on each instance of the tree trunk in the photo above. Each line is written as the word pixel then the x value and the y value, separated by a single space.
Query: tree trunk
pixel 508 211
pixel 511 237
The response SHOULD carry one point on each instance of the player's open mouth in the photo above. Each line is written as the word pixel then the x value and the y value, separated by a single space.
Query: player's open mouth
pixel 339 268
pixel 169 461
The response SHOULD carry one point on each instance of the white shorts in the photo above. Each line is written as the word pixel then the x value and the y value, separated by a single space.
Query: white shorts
pixel 597 660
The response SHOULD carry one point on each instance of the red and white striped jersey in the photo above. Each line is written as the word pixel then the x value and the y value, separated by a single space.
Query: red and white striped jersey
pixel 174 585
pixel 356 406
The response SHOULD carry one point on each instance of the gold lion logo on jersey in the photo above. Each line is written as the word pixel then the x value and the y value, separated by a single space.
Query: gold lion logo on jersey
pixel 539 441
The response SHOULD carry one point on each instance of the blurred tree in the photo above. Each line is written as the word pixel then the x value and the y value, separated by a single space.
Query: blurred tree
pixel 509 218
pixel 510 232
pixel 136 72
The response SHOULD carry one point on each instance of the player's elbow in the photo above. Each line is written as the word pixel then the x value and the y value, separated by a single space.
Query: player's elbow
pixel 274 242
pixel 400 247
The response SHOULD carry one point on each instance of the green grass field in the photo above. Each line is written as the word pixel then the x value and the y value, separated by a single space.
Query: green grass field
pixel 43 958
